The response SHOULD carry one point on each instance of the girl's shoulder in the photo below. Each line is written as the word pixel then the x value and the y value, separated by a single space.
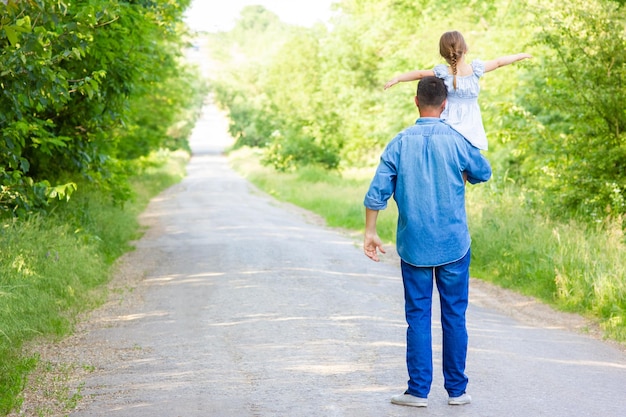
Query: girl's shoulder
pixel 478 67
pixel 441 70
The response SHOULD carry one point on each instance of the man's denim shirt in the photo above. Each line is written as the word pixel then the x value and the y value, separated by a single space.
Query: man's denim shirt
pixel 422 167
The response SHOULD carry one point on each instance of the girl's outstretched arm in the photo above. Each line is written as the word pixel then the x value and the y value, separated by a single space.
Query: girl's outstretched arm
pixel 505 60
pixel 409 76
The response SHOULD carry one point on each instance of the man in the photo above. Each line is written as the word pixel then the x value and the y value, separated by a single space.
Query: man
pixel 425 168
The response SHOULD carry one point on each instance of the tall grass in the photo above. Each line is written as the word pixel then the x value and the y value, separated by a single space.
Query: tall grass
pixel 572 265
pixel 40 287
pixel 578 267
pixel 54 267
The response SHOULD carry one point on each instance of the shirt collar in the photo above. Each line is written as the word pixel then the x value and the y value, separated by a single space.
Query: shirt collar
pixel 428 120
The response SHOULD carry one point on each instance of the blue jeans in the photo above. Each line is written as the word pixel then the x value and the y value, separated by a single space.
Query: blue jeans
pixel 453 286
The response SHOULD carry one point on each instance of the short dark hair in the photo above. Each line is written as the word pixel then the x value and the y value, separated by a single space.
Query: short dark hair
pixel 431 91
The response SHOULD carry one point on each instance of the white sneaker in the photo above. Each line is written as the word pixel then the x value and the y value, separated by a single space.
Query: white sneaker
pixel 410 400
pixel 461 400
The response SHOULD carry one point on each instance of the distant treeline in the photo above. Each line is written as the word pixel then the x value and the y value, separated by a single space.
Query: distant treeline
pixel 555 123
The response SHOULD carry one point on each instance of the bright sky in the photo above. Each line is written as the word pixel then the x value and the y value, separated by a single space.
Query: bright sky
pixel 217 15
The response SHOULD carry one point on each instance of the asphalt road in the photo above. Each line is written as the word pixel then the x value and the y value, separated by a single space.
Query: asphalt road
pixel 250 308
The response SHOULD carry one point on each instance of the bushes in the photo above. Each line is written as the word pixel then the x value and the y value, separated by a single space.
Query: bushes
pixel 577 96
pixel 84 85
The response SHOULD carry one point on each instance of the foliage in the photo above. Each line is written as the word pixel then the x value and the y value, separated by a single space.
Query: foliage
pixel 243 53
pixel 577 103
pixel 300 139
pixel 72 76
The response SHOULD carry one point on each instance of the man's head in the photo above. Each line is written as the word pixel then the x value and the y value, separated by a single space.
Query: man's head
pixel 431 96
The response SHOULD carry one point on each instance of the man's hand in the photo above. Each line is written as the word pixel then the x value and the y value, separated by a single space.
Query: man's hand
pixel 372 242
pixel 371 245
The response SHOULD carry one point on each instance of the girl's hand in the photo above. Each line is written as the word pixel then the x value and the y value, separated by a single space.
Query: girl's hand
pixel 391 83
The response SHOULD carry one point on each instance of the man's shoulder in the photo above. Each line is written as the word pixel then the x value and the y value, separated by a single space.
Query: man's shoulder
pixel 439 132
pixel 432 126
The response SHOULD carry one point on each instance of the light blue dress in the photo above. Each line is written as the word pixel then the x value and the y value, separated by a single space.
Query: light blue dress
pixel 462 111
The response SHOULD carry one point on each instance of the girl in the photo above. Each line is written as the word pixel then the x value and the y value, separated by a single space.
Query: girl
pixel 462 111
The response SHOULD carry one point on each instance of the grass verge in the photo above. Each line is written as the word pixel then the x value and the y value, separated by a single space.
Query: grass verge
pixel 572 266
pixel 53 268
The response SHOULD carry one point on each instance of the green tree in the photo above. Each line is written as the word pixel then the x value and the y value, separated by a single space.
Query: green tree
pixel 69 72
pixel 306 132
pixel 241 57
pixel 578 100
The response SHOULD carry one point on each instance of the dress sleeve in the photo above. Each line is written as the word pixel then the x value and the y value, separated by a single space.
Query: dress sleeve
pixel 440 70
pixel 478 67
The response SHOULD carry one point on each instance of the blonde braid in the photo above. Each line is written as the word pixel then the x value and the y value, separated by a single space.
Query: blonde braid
pixel 452 46
pixel 454 69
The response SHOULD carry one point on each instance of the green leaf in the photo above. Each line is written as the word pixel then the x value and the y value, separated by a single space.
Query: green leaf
pixel 11 35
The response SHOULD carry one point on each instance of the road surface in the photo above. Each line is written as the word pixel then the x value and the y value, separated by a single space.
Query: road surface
pixel 247 307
